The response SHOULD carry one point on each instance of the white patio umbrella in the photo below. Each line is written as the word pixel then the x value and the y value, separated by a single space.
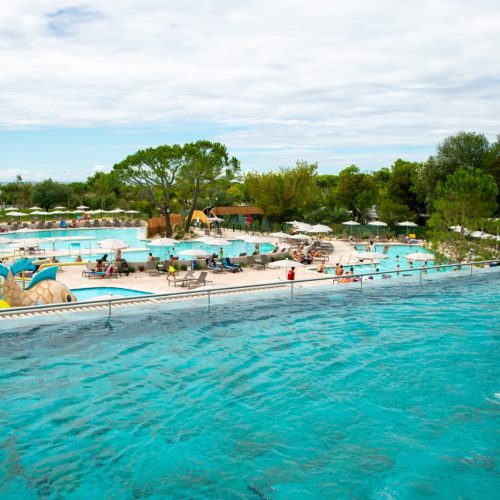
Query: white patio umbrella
pixel 194 252
pixel 459 229
pixel 370 255
pixel 163 242
pixel 299 237
pixel 16 214
pixel 280 234
pixel 285 263
pixel 59 207
pixel 116 211
pixel 113 244
pixel 217 242
pixel 419 256
pixel 82 207
pixel 35 208
pixel 377 224
pixel 318 228
pixel 132 211
pixel 257 239
pixel 10 209
pixel 350 223
pixel 481 234
pixel 26 242
pixel 407 224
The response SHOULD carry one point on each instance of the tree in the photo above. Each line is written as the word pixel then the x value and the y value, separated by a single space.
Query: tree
pixel 356 191
pixel 286 193
pixel 465 200
pixel 492 161
pixel 157 171
pixel 48 194
pixel 204 163
pixel 462 150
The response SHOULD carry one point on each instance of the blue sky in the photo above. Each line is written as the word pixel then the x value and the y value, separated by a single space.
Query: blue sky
pixel 340 83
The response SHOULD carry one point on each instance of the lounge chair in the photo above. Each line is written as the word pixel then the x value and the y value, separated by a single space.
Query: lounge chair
pixel 189 276
pixel 227 264
pixel 262 261
pixel 243 254
pixel 200 281
pixel 137 223
pixel 215 268
pixel 152 268
pixel 127 223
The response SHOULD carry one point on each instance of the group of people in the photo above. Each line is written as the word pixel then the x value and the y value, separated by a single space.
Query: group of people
pixel 306 256
pixel 120 265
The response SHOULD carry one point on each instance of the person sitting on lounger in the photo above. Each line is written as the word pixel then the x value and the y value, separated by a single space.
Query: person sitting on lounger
pixel 99 268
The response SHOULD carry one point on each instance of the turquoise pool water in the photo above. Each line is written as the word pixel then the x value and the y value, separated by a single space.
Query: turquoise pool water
pixel 393 392
pixel 395 256
pixel 90 250
pixel 94 292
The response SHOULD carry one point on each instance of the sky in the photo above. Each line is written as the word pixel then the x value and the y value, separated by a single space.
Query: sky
pixel 86 83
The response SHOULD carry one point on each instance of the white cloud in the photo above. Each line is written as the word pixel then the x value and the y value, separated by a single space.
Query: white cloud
pixel 10 174
pixel 100 168
pixel 289 76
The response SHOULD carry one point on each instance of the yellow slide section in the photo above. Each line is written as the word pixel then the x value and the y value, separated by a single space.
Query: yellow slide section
pixel 3 304
pixel 198 214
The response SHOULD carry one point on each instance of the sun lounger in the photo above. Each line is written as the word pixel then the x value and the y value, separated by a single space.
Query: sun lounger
pixel 215 268
pixel 189 276
pixel 227 264
pixel 200 281
pixel 152 268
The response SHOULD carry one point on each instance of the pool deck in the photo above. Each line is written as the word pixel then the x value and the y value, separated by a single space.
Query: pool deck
pixel 72 277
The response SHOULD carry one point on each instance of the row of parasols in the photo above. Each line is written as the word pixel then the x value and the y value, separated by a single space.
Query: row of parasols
pixel 60 210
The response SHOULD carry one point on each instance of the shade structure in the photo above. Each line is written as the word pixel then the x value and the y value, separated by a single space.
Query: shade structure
pixel 370 255
pixel 82 207
pixel 459 229
pixel 35 208
pixel 16 214
pixel 11 209
pixel 407 224
pixel 284 264
pixel 481 234
pixel 280 234
pixel 217 242
pixel 257 239
pixel 299 237
pixel 377 224
pixel 113 244
pixel 26 242
pixel 59 207
pixel 40 212
pixel 116 211
pixel 419 256
pixel 163 242
pixel 318 228
pixel 350 223
pixel 132 211
pixel 194 252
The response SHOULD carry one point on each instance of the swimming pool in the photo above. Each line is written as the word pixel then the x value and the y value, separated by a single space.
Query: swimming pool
pixel 395 256
pixel 91 293
pixel 134 237
pixel 393 392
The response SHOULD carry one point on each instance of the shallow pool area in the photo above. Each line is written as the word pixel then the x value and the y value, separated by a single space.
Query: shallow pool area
pixel 395 257
pixel 392 391
pixel 93 293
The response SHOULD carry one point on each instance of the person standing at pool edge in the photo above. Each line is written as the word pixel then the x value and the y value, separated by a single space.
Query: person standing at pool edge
pixel 291 274
pixel 170 268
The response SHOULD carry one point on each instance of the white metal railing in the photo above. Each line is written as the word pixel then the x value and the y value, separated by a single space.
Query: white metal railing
pixel 209 292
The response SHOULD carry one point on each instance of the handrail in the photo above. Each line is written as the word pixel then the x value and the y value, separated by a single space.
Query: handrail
pixel 154 297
